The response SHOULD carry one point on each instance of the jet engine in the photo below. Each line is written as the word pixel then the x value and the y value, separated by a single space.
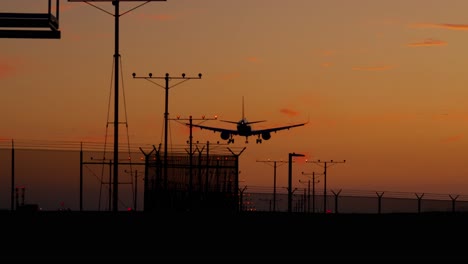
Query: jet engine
pixel 225 135
pixel 266 135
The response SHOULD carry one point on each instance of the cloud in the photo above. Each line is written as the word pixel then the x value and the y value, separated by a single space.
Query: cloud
pixel 151 17
pixel 383 118
pixel 373 68
pixel 6 70
pixel 428 43
pixel 442 26
pixel 63 8
pixel 454 138
pixel 327 53
pixel 289 112
pixel 8 67
pixel 229 76
pixel 253 59
pixel 326 64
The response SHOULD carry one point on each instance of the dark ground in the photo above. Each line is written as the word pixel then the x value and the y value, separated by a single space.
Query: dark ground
pixel 225 237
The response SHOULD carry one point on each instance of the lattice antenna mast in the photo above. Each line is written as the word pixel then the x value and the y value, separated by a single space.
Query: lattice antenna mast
pixel 116 15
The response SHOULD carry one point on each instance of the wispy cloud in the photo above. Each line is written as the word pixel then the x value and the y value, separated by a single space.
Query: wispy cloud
pixel 327 53
pixel 8 67
pixel 64 7
pixel 374 68
pixel 442 26
pixel 6 70
pixel 382 118
pixel 253 59
pixel 454 138
pixel 428 43
pixel 289 112
pixel 151 17
pixel 229 76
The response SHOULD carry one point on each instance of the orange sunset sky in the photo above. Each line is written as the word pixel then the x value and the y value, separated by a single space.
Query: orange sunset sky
pixel 383 84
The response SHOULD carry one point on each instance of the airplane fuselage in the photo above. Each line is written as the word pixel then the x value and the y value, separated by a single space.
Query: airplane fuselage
pixel 244 130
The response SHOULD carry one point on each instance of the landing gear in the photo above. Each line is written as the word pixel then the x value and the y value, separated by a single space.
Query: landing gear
pixel 231 140
pixel 259 140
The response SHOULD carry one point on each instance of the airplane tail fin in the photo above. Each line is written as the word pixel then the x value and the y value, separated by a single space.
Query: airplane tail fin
pixel 243 117
pixel 243 114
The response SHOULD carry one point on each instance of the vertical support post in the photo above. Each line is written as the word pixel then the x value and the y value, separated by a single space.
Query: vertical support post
pixel 274 179
pixel 419 201
pixel 336 200
pixel 274 187
pixel 166 114
pixel 12 198
pixel 81 177
pixel 453 202
pixel 379 208
pixel 115 199
pixel 313 192
pixel 291 155
pixel 191 160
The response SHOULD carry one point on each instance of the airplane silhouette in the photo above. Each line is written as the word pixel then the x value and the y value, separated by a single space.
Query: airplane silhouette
pixel 244 129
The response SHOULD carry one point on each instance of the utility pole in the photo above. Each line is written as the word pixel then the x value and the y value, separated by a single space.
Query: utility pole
pixel 166 87
pixel 116 16
pixel 274 177
pixel 290 191
pixel 325 165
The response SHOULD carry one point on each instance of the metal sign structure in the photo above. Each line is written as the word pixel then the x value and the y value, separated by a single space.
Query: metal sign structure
pixel 31 25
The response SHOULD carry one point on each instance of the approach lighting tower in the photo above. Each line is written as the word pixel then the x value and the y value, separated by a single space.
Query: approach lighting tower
pixel 290 191
pixel 274 177
pixel 314 181
pixel 325 165
pixel 166 87
pixel 117 14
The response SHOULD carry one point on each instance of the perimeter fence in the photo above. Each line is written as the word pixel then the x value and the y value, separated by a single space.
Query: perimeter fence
pixel 48 173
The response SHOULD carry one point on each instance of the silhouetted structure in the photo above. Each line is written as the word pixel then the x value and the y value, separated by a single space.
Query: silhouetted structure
pixel 213 187
pixel 31 25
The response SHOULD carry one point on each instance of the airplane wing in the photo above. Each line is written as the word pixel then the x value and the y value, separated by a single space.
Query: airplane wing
pixel 217 129
pixel 274 129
